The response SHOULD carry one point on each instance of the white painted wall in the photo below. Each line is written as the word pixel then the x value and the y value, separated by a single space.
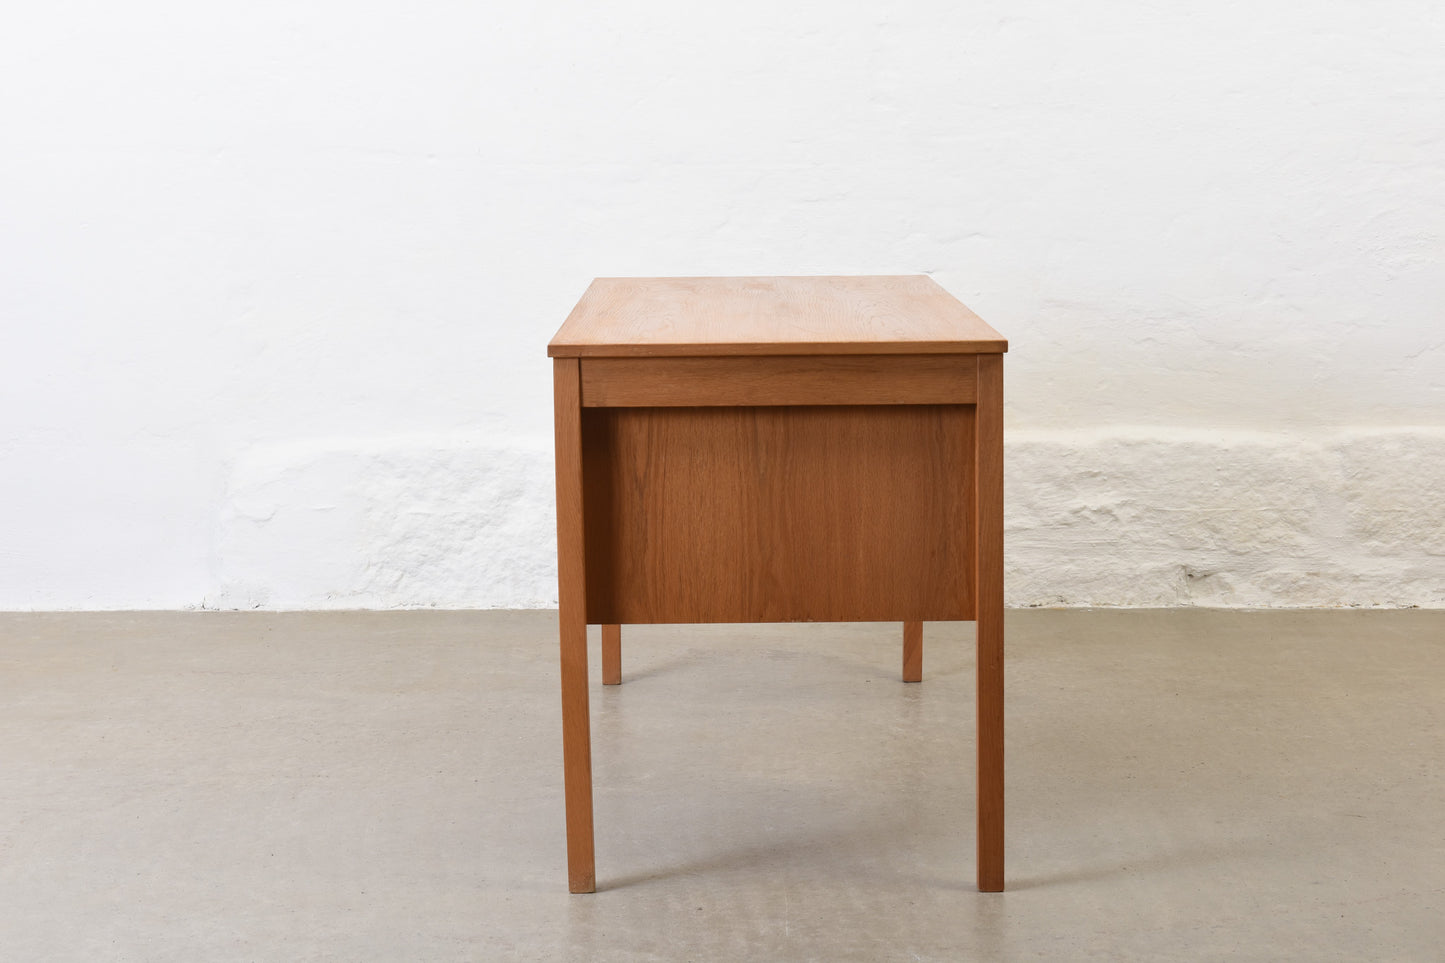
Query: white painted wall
pixel 276 277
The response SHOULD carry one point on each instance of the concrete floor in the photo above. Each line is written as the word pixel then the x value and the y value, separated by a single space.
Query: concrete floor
pixel 1195 785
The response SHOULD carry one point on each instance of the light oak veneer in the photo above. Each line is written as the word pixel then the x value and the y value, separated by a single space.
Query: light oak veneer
pixel 777 449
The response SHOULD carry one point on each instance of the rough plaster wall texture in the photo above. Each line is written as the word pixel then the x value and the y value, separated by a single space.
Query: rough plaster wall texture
pixel 413 521
pixel 1195 517
pixel 275 278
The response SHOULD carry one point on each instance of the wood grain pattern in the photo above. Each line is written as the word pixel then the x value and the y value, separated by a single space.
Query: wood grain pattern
pixel 988 596
pixel 650 317
pixel 572 619
pixel 780 380
pixel 778 449
pixel 912 651
pixel 764 514
pixel 611 655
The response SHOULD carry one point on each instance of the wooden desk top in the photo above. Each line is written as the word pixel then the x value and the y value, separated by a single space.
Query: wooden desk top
pixel 651 317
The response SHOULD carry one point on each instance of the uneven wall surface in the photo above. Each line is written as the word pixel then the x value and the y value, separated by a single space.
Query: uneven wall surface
pixel 276 279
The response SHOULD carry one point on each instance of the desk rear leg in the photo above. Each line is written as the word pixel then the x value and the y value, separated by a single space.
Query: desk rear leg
pixel 912 651
pixel 611 655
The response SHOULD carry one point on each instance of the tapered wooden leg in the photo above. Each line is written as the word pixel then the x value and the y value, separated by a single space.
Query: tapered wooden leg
pixel 577 760
pixel 572 617
pixel 912 651
pixel 988 599
pixel 611 655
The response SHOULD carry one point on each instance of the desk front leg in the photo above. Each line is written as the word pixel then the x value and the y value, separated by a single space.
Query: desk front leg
pixel 572 620
pixel 988 599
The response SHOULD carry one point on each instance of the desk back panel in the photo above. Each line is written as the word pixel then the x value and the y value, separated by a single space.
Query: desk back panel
pixel 778 514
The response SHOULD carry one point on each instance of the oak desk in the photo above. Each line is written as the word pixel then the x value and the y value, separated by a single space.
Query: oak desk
pixel 777 450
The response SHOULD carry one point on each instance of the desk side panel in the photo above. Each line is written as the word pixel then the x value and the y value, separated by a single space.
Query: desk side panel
pixel 774 514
